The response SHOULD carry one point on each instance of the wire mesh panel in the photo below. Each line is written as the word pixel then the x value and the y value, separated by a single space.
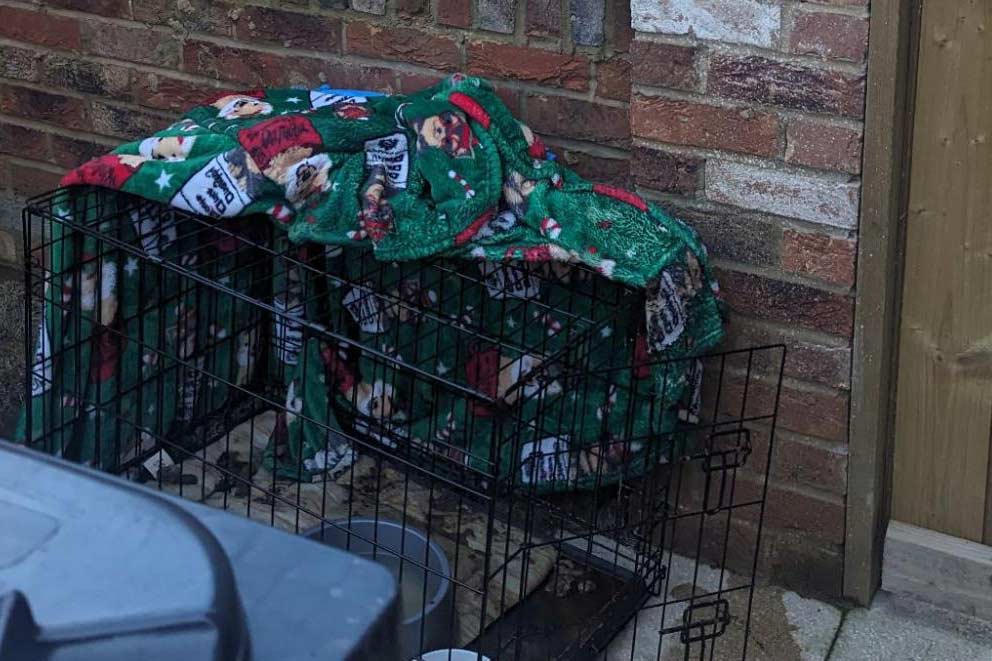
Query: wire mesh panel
pixel 496 434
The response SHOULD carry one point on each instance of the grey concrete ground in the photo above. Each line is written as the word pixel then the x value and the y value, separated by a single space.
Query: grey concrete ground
pixel 901 628
pixel 786 626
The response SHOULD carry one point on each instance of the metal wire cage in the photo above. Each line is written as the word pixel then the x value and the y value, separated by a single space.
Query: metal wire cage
pixel 193 382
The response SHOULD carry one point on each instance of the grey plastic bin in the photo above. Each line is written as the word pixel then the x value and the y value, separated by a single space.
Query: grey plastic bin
pixel 93 567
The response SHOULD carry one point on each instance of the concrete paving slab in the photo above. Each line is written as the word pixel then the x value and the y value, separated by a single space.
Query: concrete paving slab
pixel 909 630
pixel 784 625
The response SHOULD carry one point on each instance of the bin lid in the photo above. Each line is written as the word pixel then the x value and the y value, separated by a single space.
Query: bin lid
pixel 112 570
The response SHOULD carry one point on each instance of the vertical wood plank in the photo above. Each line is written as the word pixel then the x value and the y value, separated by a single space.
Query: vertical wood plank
pixel 888 123
pixel 944 400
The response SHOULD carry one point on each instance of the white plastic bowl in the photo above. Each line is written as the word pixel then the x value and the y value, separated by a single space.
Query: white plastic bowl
pixel 451 655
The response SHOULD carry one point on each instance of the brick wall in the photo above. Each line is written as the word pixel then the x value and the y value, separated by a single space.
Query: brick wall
pixel 743 116
pixel 746 118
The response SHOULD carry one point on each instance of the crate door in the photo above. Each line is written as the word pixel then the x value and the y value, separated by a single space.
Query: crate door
pixel 941 469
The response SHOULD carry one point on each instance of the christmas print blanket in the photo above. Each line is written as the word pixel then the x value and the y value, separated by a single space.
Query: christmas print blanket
pixel 347 177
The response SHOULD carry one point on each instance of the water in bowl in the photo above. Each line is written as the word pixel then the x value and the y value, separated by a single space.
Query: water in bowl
pixel 411 582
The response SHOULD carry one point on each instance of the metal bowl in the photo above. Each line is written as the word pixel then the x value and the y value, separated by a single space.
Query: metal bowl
pixel 420 567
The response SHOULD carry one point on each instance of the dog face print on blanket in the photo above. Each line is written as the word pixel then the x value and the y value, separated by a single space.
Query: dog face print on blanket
pixel 288 150
pixel 447 131
pixel 242 106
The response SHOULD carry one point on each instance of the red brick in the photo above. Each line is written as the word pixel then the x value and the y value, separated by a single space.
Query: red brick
pixel 615 171
pixel 787 508
pixel 818 465
pixel 825 146
pixel 38 27
pixel 253 68
pixel 410 7
pixel 71 152
pixel 411 82
pixel 131 44
pixel 812 360
pixel 27 180
pixel 836 36
pixel 791 193
pixel 618 31
pixel 208 16
pixel 820 518
pixel 101 79
pixel 126 123
pixel 288 29
pixel 737 236
pixel 580 120
pixel 543 17
pixel 363 77
pixel 402 44
pixel 762 80
pixel 486 58
pixel 821 256
pixel 510 97
pixel 807 410
pixel 664 65
pixel 793 560
pixel 165 93
pixel 759 297
pixel 112 8
pixel 732 546
pixel 613 79
pixel 457 13
pixel 65 111
pixel 24 141
pixel 797 460
pixel 19 63
pixel 663 171
pixel 701 125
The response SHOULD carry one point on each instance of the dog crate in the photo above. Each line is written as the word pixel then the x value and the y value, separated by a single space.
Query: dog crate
pixel 185 353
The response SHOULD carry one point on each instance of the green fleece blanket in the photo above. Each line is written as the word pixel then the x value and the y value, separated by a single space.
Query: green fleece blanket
pixel 446 172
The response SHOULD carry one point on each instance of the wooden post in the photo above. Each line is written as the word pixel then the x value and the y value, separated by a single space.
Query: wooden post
pixel 888 124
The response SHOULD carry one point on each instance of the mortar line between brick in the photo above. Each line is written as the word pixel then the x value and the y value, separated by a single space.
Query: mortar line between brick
pixel 94 58
pixel 790 332
pixel 839 448
pixel 806 7
pixel 831 176
pixel 347 16
pixel 519 27
pixel 747 50
pixel 705 205
pixel 783 276
pixel 95 18
pixel 164 115
pixel 796 488
pixel 346 58
pixel 330 58
pixel 591 148
pixel 39 165
pixel 791 382
pixel 787 19
pixel 132 22
pixel 712 155
pixel 652 91
pixel 55 129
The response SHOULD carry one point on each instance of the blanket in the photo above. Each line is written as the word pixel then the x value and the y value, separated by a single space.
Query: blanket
pixel 444 173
